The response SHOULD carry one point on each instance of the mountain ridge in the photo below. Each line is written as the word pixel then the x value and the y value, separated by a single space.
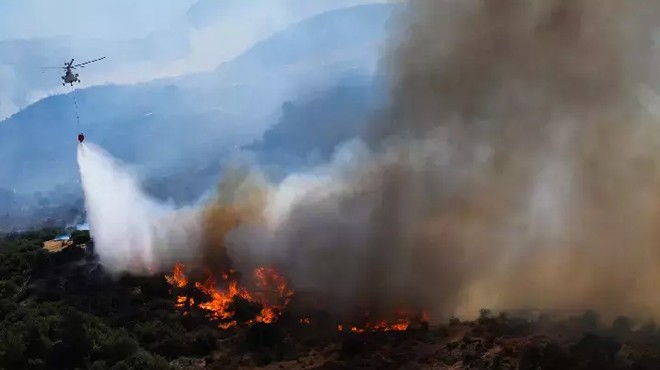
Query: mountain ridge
pixel 168 125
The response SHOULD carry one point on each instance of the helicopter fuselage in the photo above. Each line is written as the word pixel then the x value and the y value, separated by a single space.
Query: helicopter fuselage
pixel 70 77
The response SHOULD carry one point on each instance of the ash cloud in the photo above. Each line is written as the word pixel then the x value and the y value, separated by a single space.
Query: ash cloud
pixel 515 166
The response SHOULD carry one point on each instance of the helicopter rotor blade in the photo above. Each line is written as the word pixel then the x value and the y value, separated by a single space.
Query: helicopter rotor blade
pixel 91 61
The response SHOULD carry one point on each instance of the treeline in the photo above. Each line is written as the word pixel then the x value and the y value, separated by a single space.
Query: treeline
pixel 62 311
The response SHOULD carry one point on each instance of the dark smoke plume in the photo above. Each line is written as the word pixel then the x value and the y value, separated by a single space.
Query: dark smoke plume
pixel 516 165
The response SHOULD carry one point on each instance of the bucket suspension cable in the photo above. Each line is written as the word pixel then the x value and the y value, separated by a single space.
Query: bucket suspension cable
pixel 75 104
pixel 81 137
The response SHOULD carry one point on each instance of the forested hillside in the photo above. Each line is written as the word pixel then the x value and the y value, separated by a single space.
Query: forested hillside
pixel 62 311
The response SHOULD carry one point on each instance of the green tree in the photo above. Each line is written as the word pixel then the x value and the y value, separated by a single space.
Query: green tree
pixel 80 237
pixel 590 321
pixel 117 346
pixel 73 347
pixel 622 325
pixel 142 361
pixel 12 350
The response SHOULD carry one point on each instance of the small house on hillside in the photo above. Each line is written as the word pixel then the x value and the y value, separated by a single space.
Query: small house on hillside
pixel 78 237
pixel 57 244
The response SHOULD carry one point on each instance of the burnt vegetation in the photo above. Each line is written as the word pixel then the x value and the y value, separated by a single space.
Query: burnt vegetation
pixel 63 311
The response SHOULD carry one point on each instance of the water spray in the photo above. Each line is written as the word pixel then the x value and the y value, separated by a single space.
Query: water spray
pixel 132 231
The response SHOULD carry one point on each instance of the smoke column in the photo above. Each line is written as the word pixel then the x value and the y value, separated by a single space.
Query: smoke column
pixel 516 166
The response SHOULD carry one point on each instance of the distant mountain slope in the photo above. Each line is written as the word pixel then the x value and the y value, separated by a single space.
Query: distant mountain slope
pixel 309 131
pixel 23 80
pixel 206 13
pixel 352 29
pixel 209 33
pixel 186 122
pixel 307 55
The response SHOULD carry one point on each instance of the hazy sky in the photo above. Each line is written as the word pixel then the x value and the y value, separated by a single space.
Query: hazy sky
pixel 110 19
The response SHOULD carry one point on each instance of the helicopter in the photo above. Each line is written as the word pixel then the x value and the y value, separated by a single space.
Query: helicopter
pixel 70 77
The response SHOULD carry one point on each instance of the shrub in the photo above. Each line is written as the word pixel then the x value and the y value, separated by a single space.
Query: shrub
pixel 622 325
pixel 118 346
pixel 142 361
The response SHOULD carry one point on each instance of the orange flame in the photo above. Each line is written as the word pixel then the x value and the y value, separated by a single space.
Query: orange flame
pixel 269 280
pixel 272 293
pixel 181 301
pixel 178 277
pixel 227 325
pixel 401 323
pixel 220 302
pixel 267 315
pixel 354 329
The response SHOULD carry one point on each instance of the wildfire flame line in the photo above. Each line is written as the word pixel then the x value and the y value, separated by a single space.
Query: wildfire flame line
pixel 272 293
pixel 273 296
